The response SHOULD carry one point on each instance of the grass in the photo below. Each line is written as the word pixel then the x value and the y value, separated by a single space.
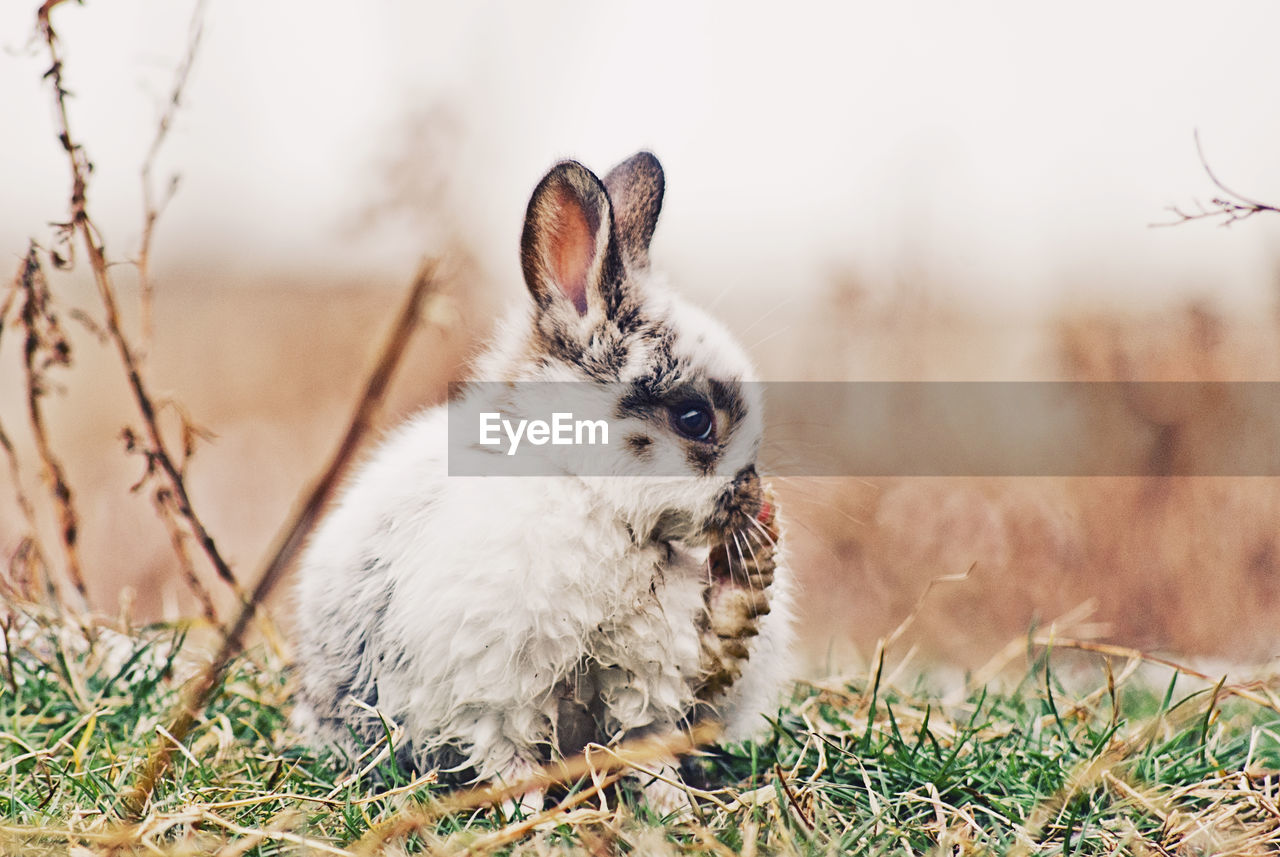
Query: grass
pixel 1101 763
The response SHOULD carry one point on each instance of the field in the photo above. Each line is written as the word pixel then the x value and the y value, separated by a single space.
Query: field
pixel 1101 754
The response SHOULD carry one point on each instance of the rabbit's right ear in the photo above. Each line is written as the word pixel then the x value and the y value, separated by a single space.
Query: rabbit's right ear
pixel 635 188
pixel 567 250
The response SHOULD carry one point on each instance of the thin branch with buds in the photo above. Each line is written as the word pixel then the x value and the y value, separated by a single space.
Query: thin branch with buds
pixel 156 449
pixel 163 498
pixel 1229 208
pixel 152 206
pixel 28 563
pixel 45 346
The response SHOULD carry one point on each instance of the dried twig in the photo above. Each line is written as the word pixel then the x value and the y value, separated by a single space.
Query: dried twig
pixel 167 510
pixel 157 451
pixel 159 458
pixel 153 207
pixel 1232 207
pixel 595 761
pixel 46 345
pixel 1251 691
pixel 518 829
pixel 305 516
pixel 28 562
pixel 198 693
pixel 792 799
pixel 168 513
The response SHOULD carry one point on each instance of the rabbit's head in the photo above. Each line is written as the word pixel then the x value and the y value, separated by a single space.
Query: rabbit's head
pixel 679 390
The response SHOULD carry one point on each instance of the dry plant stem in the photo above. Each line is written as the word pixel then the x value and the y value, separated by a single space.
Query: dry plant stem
pixel 199 691
pixel 46 346
pixel 517 830
pixel 595 760
pixel 151 207
pixel 1232 207
pixel 791 797
pixel 157 451
pixel 289 541
pixel 1243 691
pixel 30 554
pixel 169 515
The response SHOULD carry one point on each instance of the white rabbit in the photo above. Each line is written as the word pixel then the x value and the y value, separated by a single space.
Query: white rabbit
pixel 502 620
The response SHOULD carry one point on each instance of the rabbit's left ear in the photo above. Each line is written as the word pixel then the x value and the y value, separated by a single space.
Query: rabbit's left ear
pixel 635 189
pixel 567 250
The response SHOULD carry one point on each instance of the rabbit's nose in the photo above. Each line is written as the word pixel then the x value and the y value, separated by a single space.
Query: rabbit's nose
pixel 747 490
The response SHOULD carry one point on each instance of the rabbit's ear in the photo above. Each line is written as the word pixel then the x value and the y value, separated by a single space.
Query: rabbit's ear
pixel 635 188
pixel 567 250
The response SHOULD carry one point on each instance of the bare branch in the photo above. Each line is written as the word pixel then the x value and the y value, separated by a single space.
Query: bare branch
pixel 45 346
pixel 1229 208
pixel 600 763
pixel 165 507
pixel 28 562
pixel 167 510
pixel 153 207
pixel 81 223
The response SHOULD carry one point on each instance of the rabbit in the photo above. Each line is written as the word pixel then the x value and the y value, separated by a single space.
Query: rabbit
pixel 502 621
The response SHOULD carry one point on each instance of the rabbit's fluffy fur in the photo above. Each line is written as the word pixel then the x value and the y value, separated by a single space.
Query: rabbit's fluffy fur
pixel 502 620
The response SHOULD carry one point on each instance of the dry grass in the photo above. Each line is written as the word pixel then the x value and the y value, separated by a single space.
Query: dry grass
pixel 1123 755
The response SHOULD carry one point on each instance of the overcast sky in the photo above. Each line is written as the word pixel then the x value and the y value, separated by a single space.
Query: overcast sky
pixel 1013 151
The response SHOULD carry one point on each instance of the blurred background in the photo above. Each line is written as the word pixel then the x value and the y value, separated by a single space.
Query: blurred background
pixel 910 191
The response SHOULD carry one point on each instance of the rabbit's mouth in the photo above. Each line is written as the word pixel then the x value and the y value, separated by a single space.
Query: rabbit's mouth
pixel 739 504
pixel 733 510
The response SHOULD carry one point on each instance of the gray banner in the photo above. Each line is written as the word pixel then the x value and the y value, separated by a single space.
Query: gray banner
pixel 886 429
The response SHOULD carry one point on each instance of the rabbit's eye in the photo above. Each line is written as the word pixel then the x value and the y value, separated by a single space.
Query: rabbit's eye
pixel 693 420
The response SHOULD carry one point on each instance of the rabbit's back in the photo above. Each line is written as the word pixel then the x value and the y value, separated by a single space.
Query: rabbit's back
pixel 346 589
